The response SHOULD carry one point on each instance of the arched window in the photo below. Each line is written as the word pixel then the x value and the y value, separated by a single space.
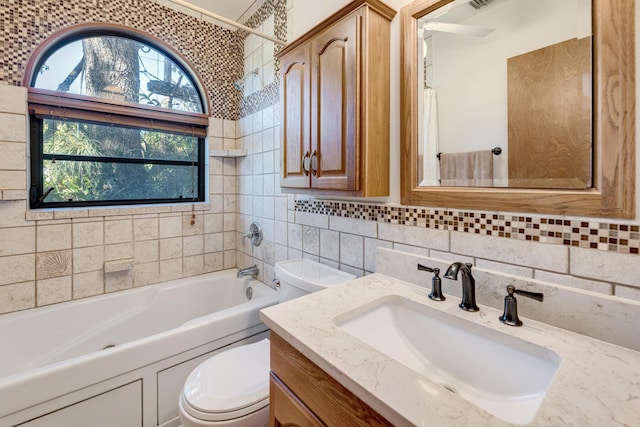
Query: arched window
pixel 115 118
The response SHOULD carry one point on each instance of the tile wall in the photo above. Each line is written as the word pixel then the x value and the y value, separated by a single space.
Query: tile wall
pixel 587 254
pixel 48 257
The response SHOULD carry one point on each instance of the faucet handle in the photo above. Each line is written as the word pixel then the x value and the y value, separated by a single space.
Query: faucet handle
pixel 436 283
pixel 510 314
pixel 538 296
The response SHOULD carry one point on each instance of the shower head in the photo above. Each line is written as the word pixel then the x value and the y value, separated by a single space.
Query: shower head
pixel 239 84
pixel 477 4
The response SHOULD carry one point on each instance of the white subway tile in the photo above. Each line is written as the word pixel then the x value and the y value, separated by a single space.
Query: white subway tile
pixel 229 259
pixel 171 269
pixel 170 248
pixel 215 127
pixel 53 237
pixel 311 240
pixel 13 156
pixel 627 292
pixel 606 266
pixel 414 236
pixel 88 284
pixel 17 241
pixel 145 251
pixel 193 245
pixel 330 244
pixel 14 128
pixel 13 180
pixel 146 229
pixel 51 291
pixel 312 219
pixel 17 296
pixel 170 226
pixel 527 254
pixel 280 236
pixel 358 272
pixel 13 99
pixel 119 231
pixel 14 195
pixel 352 250
pixel 354 226
pixel 213 243
pixel 213 262
pixel 88 259
pixel 416 250
pixel 295 236
pixel 574 282
pixel 281 253
pixel 370 249
pixel 72 214
pixel 118 251
pixel 145 274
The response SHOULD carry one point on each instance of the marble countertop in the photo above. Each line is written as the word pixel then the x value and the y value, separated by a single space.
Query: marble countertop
pixel 596 384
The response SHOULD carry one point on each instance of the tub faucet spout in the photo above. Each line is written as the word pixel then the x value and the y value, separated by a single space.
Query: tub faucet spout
pixel 249 271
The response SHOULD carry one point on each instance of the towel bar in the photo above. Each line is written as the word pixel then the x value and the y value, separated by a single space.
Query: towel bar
pixel 496 151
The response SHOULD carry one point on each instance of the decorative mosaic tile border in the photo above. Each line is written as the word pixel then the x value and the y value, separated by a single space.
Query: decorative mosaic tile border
pixel 270 94
pixel 215 52
pixel 619 238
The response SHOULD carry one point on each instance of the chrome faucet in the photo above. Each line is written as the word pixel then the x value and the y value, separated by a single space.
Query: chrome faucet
pixel 249 271
pixel 468 285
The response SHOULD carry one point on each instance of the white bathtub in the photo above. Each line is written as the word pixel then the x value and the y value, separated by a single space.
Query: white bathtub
pixel 121 359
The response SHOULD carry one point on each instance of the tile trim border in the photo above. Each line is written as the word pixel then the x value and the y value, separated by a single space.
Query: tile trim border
pixel 582 233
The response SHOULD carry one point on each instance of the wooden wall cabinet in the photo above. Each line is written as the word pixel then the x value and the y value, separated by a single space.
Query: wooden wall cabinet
pixel 302 394
pixel 334 92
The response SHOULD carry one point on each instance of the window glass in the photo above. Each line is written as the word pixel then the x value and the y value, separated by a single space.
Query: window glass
pixel 94 162
pixel 121 69
pixel 114 150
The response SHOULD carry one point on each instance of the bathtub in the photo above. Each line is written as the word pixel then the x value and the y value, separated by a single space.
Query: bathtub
pixel 121 359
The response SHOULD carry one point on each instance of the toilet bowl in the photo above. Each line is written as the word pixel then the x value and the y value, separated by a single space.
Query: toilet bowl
pixel 231 389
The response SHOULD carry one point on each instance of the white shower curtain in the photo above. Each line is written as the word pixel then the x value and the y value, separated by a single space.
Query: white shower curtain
pixel 429 139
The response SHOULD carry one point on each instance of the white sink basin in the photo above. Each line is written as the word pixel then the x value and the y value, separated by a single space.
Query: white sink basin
pixel 503 375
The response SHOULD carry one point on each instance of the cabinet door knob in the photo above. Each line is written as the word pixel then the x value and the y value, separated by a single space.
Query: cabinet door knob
pixel 305 170
pixel 314 170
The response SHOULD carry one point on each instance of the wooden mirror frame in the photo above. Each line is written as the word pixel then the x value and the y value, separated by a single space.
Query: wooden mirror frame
pixel 613 193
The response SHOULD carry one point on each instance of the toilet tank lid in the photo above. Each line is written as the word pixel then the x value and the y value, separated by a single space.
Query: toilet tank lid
pixel 309 275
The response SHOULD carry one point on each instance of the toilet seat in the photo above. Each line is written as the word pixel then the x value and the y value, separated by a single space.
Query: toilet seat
pixel 231 384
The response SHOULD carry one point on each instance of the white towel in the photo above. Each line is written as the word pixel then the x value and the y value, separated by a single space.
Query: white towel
pixel 472 168
pixel 429 145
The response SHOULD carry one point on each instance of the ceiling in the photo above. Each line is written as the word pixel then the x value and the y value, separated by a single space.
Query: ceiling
pixel 229 9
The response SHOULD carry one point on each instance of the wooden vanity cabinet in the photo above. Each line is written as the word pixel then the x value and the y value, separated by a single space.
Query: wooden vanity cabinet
pixel 302 394
pixel 334 92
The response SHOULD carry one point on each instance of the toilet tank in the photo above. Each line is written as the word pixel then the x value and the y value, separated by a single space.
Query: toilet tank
pixel 299 277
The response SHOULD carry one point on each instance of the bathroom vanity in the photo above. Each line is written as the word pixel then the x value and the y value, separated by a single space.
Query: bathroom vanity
pixel 295 380
pixel 334 354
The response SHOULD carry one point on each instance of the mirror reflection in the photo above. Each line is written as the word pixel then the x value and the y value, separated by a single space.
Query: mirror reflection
pixel 505 94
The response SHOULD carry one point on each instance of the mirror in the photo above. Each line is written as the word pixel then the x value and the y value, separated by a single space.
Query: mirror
pixel 596 119
pixel 521 66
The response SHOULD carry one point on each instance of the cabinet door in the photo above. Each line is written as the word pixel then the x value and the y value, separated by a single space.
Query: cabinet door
pixel 294 93
pixel 120 407
pixel 286 410
pixel 335 106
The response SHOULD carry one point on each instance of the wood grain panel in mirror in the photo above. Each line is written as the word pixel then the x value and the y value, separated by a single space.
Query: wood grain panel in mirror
pixel 550 117
pixel 612 190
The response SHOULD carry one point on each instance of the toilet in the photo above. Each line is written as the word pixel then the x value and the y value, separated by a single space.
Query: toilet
pixel 231 389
